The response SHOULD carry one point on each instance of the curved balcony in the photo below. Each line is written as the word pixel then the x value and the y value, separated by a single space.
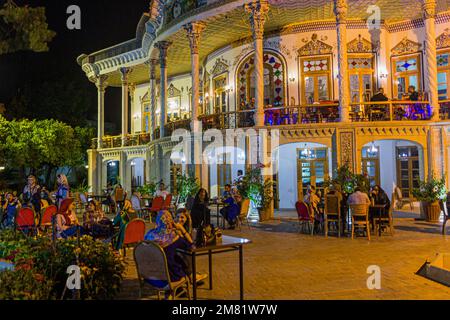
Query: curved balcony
pixel 394 111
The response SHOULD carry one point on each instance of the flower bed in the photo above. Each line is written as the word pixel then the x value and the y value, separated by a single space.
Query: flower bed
pixel 41 268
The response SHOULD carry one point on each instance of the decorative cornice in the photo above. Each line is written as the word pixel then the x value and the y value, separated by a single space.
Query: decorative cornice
pixel 406 46
pixel 220 66
pixel 307 133
pixel 360 45
pixel 393 131
pixel 172 91
pixel 258 10
pixel 314 47
pixel 193 31
pixel 443 41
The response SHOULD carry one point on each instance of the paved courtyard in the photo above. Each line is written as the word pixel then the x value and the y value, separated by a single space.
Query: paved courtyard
pixel 283 264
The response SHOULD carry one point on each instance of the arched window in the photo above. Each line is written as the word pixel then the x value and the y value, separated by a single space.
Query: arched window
pixel 274 80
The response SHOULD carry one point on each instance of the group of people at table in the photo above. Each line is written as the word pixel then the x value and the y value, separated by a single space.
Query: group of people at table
pixel 171 232
pixel 376 196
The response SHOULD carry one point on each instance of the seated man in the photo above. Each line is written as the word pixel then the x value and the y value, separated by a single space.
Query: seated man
pixel 162 192
pixel 358 197
pixel 231 210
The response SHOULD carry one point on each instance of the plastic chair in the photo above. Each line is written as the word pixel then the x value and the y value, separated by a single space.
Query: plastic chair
pixel 134 233
pixel 360 217
pixel 332 213
pixel 167 202
pixel 245 206
pixel 304 216
pixel 46 219
pixel 151 264
pixel 25 220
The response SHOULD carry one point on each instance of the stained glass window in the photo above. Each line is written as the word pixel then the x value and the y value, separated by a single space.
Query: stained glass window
pixel 406 65
pixel 442 60
pixel 274 80
pixel 315 65
pixel 360 63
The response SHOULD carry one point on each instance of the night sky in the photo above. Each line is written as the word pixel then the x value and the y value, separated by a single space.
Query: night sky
pixel 103 23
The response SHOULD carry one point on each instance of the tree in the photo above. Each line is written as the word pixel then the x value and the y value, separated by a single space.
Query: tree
pixel 40 147
pixel 23 28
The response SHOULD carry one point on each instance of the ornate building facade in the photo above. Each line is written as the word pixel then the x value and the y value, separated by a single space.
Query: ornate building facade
pixel 306 69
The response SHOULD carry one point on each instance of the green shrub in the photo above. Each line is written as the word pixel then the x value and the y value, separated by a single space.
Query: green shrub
pixel 101 267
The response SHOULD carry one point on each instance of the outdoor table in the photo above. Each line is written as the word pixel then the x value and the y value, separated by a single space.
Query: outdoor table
pixel 380 209
pixel 227 244
pixel 98 197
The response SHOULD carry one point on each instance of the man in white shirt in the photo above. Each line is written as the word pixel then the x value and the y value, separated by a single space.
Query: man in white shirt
pixel 162 192
pixel 358 197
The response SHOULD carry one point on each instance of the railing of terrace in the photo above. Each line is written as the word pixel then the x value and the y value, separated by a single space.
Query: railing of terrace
pixel 292 115
pixel 390 111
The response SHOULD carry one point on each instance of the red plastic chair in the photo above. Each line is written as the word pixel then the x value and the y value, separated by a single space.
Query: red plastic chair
pixel 25 220
pixel 167 202
pixel 46 220
pixel 134 234
pixel 157 204
pixel 304 216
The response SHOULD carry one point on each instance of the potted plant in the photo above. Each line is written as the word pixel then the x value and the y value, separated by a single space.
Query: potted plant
pixel 429 193
pixel 186 187
pixel 260 192
pixel 147 190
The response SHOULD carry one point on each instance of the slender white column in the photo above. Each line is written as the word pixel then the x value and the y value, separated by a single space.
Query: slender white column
pixel 101 84
pixel 131 90
pixel 258 10
pixel 124 72
pixel 340 10
pixel 163 46
pixel 152 94
pixel 429 13
pixel 193 31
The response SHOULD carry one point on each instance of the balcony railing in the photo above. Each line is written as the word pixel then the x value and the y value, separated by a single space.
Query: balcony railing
pixel 292 115
pixel 390 111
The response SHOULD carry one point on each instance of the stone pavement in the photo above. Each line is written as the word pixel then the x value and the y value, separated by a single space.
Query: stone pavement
pixel 281 263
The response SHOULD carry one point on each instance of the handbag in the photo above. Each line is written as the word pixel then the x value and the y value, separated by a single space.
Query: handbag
pixel 208 235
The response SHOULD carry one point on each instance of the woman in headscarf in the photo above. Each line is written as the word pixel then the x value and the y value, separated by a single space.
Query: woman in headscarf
pixel 32 194
pixel 171 236
pixel 67 224
pixel 63 189
pixel 121 220
pixel 378 197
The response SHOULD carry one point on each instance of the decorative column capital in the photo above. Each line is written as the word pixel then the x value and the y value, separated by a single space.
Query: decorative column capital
pixel 124 74
pixel 258 10
pixel 194 30
pixel 152 63
pixel 340 11
pixel 428 9
pixel 131 89
pixel 163 47
pixel 101 82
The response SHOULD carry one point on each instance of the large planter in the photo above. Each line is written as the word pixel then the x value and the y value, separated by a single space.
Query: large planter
pixel 432 211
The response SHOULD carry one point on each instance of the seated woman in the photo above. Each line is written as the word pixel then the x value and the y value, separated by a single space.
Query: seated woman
pixel 121 220
pixel 183 218
pixel 167 235
pixel 313 200
pixel 378 197
pixel 200 212
pixel 231 210
pixel 67 224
